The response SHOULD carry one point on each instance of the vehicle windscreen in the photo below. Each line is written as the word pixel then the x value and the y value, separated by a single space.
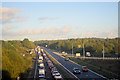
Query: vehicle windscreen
pixel 76 69
pixel 85 67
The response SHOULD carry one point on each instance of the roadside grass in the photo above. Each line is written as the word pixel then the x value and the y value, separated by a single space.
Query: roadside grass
pixel 64 73
pixel 110 65
pixel 108 75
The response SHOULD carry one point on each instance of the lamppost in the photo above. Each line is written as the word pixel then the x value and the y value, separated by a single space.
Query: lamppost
pixel 83 50
pixel 103 51
pixel 72 49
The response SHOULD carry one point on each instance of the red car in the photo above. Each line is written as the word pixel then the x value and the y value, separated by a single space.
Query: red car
pixel 84 68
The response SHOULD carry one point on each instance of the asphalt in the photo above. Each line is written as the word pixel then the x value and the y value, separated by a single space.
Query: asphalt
pixel 70 65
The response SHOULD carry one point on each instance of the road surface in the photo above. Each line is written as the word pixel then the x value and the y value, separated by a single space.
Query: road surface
pixel 70 65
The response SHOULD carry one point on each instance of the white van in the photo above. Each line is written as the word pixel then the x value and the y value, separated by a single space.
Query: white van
pixel 41 65
pixel 41 73
pixel 40 57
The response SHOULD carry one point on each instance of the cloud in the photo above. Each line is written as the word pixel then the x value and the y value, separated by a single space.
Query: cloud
pixel 11 15
pixel 8 28
pixel 66 29
pixel 36 31
pixel 98 34
pixel 47 30
pixel 48 18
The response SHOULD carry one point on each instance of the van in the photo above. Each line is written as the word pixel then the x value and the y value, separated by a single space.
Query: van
pixel 41 65
pixel 41 73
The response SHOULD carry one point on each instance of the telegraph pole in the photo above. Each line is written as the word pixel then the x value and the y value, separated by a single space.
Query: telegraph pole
pixel 103 51
pixel 72 49
pixel 83 50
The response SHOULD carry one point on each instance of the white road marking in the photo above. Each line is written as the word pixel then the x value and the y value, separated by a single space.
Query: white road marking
pixel 66 68
pixel 88 69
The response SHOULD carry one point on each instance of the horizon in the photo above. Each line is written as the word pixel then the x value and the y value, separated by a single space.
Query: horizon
pixel 59 39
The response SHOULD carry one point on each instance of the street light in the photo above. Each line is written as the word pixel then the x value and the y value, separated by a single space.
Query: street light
pixel 72 49
pixel 103 51
pixel 83 50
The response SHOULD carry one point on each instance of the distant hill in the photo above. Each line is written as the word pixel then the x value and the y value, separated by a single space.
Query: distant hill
pixel 13 61
pixel 93 45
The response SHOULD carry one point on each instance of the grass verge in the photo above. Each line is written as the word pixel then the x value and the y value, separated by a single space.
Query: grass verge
pixel 110 76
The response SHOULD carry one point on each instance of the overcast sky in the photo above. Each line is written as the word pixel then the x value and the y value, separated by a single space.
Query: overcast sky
pixel 59 20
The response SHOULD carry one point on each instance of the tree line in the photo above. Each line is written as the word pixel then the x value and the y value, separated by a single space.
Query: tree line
pixel 92 45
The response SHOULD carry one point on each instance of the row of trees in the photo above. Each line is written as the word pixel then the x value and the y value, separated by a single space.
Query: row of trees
pixel 13 61
pixel 93 45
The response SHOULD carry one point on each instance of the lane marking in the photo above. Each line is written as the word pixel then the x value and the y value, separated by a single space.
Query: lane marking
pixel 88 69
pixel 65 67
pixel 91 71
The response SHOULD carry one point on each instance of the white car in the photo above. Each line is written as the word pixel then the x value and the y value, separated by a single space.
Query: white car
pixel 40 61
pixel 41 66
pixel 41 71
pixel 58 76
pixel 42 77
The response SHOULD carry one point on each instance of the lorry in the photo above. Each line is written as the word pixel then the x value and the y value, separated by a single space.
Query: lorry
pixel 88 54
pixel 41 73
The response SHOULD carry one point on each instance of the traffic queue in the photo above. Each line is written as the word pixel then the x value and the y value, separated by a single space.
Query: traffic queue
pixel 41 68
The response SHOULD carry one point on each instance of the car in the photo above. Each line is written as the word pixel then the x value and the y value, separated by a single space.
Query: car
pixel 58 76
pixel 76 70
pixel 44 54
pixel 41 72
pixel 66 59
pixel 53 69
pixel 41 66
pixel 84 68
pixel 42 77
pixel 40 61
pixel 40 57
pixel 48 61
pixel 50 65
pixel 54 72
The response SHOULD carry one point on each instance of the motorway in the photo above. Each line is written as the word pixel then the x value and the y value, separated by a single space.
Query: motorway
pixel 48 74
pixel 70 65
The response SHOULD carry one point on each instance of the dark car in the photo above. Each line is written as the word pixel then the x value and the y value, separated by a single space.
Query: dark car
pixel 84 68
pixel 66 59
pixel 76 70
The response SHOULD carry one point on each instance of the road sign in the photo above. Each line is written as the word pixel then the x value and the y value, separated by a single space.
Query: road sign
pixel 78 54
pixel 79 46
